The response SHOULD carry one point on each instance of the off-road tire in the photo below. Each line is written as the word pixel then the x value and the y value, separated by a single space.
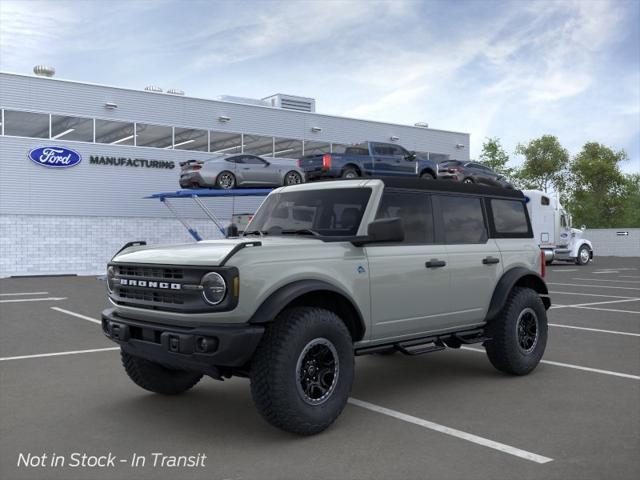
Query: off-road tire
pixel 350 172
pixel 503 348
pixel 274 370
pixel 157 378
pixel 579 260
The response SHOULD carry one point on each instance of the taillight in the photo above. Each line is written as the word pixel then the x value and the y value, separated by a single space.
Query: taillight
pixel 326 161
pixel 543 264
pixel 196 167
pixel 299 162
pixel 454 170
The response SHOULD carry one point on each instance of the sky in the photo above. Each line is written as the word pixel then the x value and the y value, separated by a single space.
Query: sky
pixel 509 69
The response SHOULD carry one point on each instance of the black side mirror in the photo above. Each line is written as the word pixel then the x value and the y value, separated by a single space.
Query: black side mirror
pixel 384 230
pixel 232 231
pixel 411 155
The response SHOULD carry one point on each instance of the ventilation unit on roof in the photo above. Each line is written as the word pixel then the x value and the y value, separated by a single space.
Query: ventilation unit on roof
pixel 44 71
pixel 292 102
pixel 153 88
pixel 175 91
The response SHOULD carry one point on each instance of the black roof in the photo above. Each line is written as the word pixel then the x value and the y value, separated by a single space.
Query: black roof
pixel 449 186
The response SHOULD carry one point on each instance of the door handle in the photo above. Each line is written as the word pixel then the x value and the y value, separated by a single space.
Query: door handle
pixel 435 263
pixel 490 260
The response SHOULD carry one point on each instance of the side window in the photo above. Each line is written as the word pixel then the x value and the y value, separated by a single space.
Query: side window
pixel 397 151
pixel 253 160
pixel 544 200
pixel 235 160
pixel 414 208
pixel 380 149
pixel 509 217
pixel 463 220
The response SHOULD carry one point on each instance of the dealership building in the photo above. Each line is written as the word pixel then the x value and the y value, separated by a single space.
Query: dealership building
pixel 127 144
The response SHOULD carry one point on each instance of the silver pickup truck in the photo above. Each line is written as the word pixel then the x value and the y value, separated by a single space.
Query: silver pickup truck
pixel 327 271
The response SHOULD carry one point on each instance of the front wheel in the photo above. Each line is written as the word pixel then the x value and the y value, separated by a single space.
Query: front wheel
pixel 302 371
pixel 226 180
pixel 518 335
pixel 158 378
pixel 584 255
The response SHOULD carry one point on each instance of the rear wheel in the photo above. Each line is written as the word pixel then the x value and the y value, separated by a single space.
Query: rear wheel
pixel 428 176
pixel 157 378
pixel 292 178
pixel 468 180
pixel 584 255
pixel 518 334
pixel 225 180
pixel 302 371
pixel 350 172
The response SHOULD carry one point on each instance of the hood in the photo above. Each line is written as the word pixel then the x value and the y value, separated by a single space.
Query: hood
pixel 206 253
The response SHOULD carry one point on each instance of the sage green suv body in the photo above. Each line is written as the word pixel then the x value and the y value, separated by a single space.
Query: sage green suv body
pixel 326 271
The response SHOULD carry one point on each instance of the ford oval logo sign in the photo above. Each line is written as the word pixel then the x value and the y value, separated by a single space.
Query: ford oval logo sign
pixel 55 157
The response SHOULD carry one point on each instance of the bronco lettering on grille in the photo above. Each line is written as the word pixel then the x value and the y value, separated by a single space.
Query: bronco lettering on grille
pixel 149 284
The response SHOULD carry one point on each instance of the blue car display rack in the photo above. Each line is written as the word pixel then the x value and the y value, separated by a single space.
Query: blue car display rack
pixel 197 194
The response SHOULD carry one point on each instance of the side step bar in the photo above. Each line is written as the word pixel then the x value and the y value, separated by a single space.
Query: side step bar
pixel 430 344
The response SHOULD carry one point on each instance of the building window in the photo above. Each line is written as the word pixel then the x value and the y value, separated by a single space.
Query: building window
pixel 338 147
pixel 115 133
pixel 287 148
pixel 191 139
pixel 316 148
pixel 157 136
pixel 71 128
pixel 258 145
pixel 26 124
pixel 225 143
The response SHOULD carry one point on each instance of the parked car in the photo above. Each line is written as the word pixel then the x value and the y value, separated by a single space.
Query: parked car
pixel 368 159
pixel 231 171
pixel 471 172
pixel 324 272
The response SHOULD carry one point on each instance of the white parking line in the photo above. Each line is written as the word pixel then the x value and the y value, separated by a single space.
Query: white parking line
pixel 577 305
pixel 598 330
pixel 485 442
pixel 569 365
pixel 47 299
pixel 611 310
pixel 23 293
pixel 605 272
pixel 587 294
pixel 57 354
pixel 89 319
pixel 629 276
pixel 594 286
pixel 562 270
pixel 607 280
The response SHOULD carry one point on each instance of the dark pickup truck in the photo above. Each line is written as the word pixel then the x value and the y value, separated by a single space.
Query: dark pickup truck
pixel 368 159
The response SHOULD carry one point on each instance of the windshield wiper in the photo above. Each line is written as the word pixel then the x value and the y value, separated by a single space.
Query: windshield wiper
pixel 301 231
pixel 255 232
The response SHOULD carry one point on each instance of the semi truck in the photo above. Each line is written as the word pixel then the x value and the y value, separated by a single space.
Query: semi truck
pixel 554 232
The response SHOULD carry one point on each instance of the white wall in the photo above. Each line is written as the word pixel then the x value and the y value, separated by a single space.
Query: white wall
pixel 607 242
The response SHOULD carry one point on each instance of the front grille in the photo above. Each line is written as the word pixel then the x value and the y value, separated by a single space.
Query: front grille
pixel 150 272
pixel 149 295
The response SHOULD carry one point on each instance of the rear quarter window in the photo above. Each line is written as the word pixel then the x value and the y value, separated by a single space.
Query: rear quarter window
pixel 510 218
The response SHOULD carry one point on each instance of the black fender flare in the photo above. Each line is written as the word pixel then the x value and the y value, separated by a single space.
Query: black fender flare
pixel 519 276
pixel 278 300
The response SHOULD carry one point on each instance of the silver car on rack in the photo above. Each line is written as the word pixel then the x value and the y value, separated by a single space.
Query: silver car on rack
pixel 241 170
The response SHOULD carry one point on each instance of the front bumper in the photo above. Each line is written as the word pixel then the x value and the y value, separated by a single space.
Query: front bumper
pixel 200 349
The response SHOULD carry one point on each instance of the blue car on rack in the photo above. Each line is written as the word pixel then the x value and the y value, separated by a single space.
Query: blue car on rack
pixel 369 159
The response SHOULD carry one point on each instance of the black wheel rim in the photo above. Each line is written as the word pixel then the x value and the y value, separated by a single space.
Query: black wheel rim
pixel 317 371
pixel 226 181
pixel 350 174
pixel 527 329
pixel 293 178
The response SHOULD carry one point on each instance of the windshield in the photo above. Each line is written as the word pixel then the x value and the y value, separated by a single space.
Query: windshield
pixel 335 212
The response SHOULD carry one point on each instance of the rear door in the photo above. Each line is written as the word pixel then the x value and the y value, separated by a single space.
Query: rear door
pixel 383 159
pixel 410 279
pixel 474 258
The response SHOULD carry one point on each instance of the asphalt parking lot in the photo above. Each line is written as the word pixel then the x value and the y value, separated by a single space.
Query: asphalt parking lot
pixel 442 415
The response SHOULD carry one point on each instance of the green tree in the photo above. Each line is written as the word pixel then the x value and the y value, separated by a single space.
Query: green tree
pixel 495 157
pixel 599 193
pixel 545 164
pixel 631 212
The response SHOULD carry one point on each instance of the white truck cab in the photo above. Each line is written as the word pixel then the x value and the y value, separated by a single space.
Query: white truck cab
pixel 552 229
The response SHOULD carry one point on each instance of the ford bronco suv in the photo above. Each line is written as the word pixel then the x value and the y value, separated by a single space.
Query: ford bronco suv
pixel 327 271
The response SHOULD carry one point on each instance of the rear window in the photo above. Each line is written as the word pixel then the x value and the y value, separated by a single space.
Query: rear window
pixel 509 217
pixel 463 220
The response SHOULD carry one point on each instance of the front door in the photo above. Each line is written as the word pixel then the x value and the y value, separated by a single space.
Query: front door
pixel 410 286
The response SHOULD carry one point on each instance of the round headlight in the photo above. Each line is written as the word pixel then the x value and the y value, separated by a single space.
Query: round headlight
pixel 214 288
pixel 111 273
